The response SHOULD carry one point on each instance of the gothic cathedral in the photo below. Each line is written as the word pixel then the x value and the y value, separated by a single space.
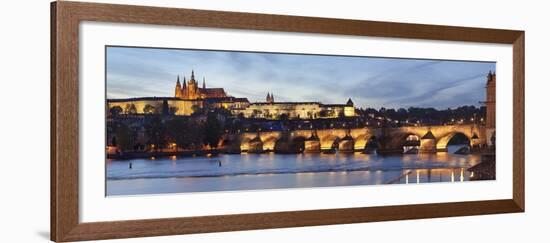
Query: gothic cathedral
pixel 191 91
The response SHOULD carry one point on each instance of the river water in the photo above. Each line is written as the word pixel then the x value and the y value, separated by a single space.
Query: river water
pixel 230 172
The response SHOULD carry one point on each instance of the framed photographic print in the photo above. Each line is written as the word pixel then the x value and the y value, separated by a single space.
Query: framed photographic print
pixel 175 121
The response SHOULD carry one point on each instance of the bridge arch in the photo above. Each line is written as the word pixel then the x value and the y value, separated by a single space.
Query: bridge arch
pixel 443 142
pixel 346 144
pixel 312 145
pixel 245 144
pixel 329 142
pixel 411 143
pixel 372 144
pixel 269 143
pixel 288 144
pixel 252 145
pixel 361 141
pixel 397 142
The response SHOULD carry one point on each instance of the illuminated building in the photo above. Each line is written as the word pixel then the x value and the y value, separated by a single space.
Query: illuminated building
pixel 298 110
pixel 188 97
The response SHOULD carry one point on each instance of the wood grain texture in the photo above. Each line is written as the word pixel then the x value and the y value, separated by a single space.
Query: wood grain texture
pixel 269 22
pixel 159 227
pixel 65 140
pixel 66 16
pixel 53 118
pixel 519 121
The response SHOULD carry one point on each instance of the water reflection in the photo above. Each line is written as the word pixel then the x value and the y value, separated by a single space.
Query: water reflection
pixel 265 171
pixel 431 175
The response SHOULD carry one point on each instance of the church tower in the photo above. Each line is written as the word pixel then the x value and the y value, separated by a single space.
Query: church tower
pixel 490 126
pixel 491 99
pixel 269 98
pixel 178 93
pixel 192 87
pixel 350 102
pixel 184 89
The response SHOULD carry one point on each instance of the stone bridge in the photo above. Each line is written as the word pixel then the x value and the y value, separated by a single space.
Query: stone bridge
pixel 425 138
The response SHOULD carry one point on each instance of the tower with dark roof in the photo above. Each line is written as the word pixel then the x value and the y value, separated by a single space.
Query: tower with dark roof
pixel 178 91
pixel 191 90
pixel 491 99
pixel 269 98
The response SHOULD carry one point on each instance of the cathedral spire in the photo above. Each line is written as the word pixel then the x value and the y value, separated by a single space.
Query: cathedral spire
pixel 490 74
pixel 184 82
pixel 178 92
pixel 269 98
pixel 350 102
pixel 192 74
pixel 203 83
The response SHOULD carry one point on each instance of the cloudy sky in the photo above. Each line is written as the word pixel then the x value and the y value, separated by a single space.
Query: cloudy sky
pixel 370 81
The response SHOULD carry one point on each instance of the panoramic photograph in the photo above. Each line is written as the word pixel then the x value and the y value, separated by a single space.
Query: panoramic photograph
pixel 186 120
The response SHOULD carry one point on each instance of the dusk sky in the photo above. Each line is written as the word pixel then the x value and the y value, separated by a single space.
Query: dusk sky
pixel 368 81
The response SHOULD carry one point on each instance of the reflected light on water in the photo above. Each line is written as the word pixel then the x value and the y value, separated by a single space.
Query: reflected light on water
pixel 452 176
pixel 269 170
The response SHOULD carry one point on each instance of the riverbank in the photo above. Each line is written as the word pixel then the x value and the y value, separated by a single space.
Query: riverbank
pixel 156 154
pixel 213 152
pixel 486 169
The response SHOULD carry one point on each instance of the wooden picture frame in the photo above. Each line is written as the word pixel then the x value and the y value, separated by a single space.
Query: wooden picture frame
pixel 65 19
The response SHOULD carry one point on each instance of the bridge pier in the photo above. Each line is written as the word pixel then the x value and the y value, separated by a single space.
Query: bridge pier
pixel 346 146
pixel 312 146
pixel 256 148
pixel 427 146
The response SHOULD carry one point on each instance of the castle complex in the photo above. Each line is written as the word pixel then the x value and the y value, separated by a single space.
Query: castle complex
pixel 192 91
pixel 188 97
